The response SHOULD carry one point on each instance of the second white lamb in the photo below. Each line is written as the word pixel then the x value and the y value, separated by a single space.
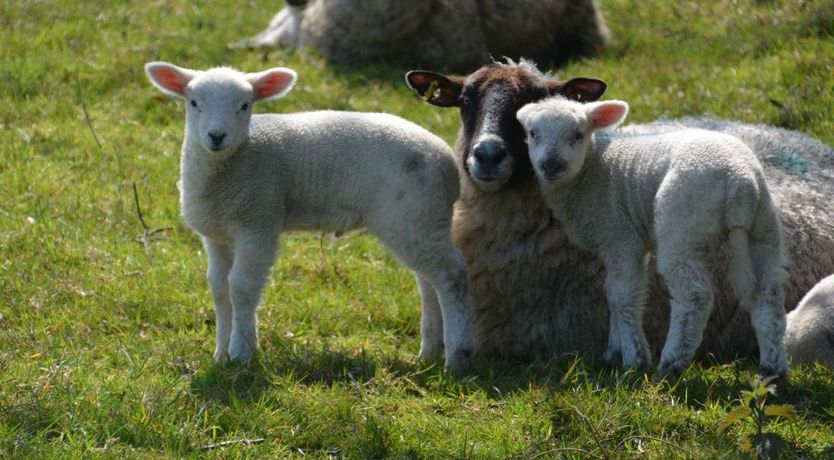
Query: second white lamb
pixel 625 196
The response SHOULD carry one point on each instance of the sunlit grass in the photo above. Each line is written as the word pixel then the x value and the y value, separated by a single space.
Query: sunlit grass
pixel 105 345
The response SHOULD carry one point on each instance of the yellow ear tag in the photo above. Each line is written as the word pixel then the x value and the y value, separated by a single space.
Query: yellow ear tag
pixel 430 92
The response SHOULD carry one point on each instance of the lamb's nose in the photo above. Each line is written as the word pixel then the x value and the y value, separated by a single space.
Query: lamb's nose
pixel 216 138
pixel 553 166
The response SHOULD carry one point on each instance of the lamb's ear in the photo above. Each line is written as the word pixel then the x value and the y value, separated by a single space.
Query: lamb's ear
pixel 524 113
pixel 580 89
pixel 436 89
pixel 606 114
pixel 272 83
pixel 169 78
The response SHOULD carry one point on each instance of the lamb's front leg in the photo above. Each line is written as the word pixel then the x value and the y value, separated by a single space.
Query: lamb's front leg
pixel 219 264
pixel 626 285
pixel 253 259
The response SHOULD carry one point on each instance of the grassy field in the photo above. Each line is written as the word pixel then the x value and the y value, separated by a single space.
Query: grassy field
pixel 106 343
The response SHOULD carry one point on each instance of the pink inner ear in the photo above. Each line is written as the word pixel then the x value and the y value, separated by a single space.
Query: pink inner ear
pixel 169 80
pixel 606 115
pixel 272 84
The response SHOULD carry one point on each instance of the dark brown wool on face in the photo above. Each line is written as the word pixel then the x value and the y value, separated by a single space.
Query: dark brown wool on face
pixel 491 97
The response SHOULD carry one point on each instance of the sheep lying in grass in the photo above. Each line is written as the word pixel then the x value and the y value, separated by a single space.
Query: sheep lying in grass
pixel 623 196
pixel 459 34
pixel 246 178
pixel 809 336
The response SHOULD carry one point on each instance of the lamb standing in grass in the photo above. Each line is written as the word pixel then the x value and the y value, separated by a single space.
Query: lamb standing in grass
pixel 246 178
pixel 622 196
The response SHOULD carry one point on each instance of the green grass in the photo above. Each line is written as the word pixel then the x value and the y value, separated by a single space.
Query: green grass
pixel 105 349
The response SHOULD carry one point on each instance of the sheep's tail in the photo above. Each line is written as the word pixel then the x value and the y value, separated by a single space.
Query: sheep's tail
pixel 742 275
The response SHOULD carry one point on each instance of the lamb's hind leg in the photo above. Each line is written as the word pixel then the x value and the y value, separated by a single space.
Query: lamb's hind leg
pixel 767 311
pixel 692 299
pixel 219 264
pixel 431 254
pixel 431 321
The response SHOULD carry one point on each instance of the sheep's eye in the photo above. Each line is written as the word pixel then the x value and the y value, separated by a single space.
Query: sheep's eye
pixel 244 106
pixel 532 135
pixel 193 103
pixel 578 136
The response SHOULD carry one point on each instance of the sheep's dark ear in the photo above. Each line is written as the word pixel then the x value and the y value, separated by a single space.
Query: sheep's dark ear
pixel 580 89
pixel 435 88
pixel 169 78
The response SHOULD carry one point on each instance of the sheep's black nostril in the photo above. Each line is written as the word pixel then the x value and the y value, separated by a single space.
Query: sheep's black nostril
pixel 216 138
pixel 498 157
pixel 480 154
pixel 489 153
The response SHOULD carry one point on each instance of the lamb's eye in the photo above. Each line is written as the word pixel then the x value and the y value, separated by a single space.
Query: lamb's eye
pixel 193 103
pixel 244 106
pixel 532 135
pixel 578 136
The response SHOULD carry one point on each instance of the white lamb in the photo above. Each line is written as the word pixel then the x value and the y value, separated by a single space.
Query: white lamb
pixel 246 178
pixel 622 196
pixel 808 337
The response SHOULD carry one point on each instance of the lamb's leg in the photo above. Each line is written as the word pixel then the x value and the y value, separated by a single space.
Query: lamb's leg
pixel 253 258
pixel 613 355
pixel 768 311
pixel 219 264
pixel 448 275
pixel 692 298
pixel 431 254
pixel 431 321
pixel 282 31
pixel 625 289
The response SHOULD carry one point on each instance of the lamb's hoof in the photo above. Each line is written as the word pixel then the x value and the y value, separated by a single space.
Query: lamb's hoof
pixel 612 358
pixel 221 356
pixel 430 353
pixel 781 380
pixel 670 371
pixel 459 362
pixel 241 351
pixel 641 362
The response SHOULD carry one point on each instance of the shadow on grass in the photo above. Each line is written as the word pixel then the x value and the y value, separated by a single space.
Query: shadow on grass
pixel 292 362
pixel 301 364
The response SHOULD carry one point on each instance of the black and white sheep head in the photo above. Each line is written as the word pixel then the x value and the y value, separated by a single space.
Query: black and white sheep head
pixel 559 131
pixel 219 100
pixel 491 143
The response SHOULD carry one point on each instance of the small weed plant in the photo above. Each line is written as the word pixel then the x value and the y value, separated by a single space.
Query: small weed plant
pixel 753 406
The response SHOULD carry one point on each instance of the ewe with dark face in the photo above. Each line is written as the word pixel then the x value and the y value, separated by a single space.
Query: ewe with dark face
pixel 534 292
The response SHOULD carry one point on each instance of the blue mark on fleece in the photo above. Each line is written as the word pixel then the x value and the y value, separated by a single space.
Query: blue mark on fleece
pixel 790 161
